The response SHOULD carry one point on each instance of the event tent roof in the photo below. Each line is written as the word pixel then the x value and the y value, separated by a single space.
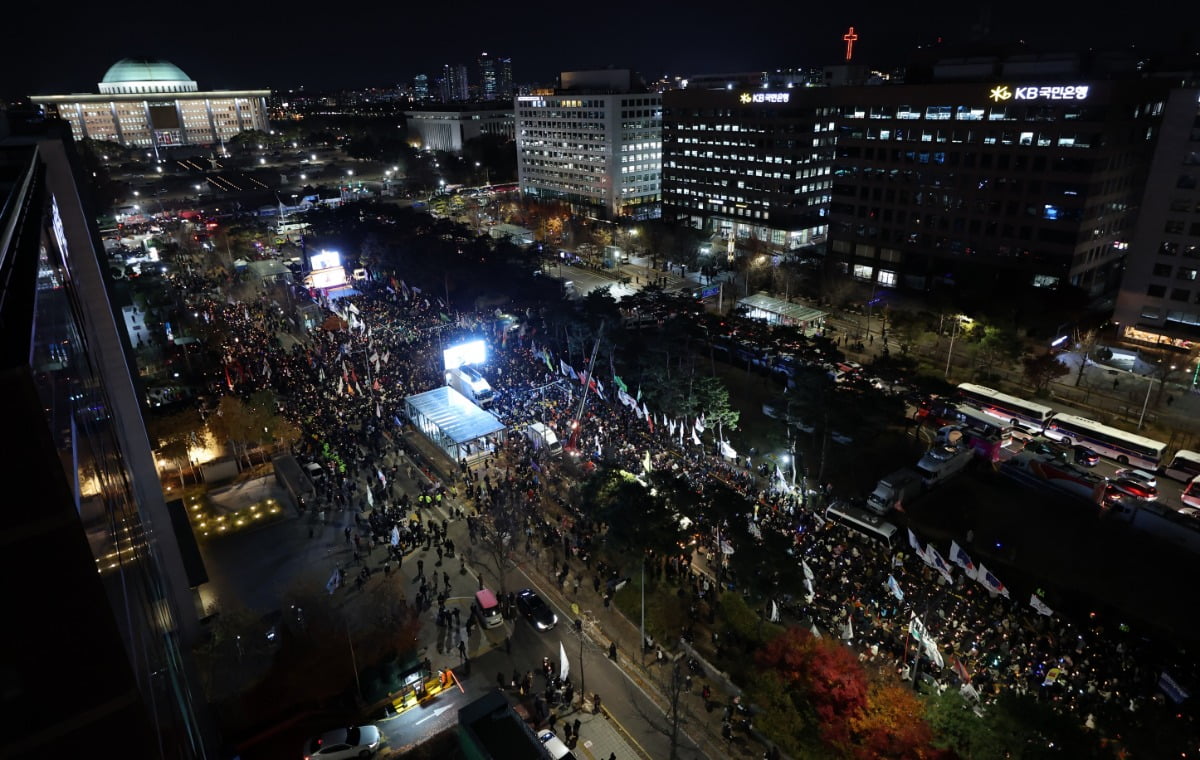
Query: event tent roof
pixel 454 414
pixel 787 309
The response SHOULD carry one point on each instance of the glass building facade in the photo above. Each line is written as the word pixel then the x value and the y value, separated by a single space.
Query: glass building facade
pixel 92 559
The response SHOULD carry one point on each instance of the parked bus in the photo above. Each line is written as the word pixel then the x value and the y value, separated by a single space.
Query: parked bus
pixel 1015 411
pixel 1126 448
pixel 1185 466
pixel 859 519
pixel 981 423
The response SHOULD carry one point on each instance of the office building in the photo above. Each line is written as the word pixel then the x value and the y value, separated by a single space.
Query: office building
pixel 749 163
pixel 596 144
pixel 1159 300
pixel 495 78
pixel 147 103
pixel 98 571
pixel 1022 176
pixel 449 129
pixel 453 85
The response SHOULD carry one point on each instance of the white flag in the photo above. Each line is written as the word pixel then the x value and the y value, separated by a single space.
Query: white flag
pixel 774 612
pixel 395 535
pixel 1036 602
pixel 370 496
pixel 814 631
pixel 564 667
pixel 808 573
pixel 695 438
pixel 848 629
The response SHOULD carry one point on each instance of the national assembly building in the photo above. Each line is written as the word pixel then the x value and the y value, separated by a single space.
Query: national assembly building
pixel 147 103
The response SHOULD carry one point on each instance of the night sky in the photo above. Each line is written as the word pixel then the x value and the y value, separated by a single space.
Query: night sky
pixel 347 45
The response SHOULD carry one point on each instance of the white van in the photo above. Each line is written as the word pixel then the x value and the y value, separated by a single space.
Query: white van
pixel 488 608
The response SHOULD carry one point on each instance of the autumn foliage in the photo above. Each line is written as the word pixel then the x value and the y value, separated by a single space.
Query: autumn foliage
pixel 856 717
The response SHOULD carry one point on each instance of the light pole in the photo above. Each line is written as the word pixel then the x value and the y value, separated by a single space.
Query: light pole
pixel 1146 401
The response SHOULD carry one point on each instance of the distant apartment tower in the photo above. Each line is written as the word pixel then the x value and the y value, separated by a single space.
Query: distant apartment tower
pixel 495 77
pixel 115 619
pixel 595 144
pixel 147 103
pixel 749 163
pixel 453 84
pixel 449 129
pixel 1159 300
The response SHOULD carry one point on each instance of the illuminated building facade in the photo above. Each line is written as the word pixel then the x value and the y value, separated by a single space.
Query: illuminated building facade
pixel 449 129
pixel 749 163
pixel 495 78
pixel 152 104
pixel 1008 183
pixel 104 659
pixel 1159 300
pixel 594 144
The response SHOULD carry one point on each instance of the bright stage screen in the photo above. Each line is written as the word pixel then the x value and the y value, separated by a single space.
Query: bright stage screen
pixel 326 260
pixel 474 352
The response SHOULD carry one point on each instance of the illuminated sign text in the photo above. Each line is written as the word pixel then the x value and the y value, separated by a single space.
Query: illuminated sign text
pixel 1003 92
pixel 765 97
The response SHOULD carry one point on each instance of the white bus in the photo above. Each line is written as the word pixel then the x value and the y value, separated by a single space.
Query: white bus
pixel 1185 466
pixel 982 423
pixel 1126 448
pixel 1015 411
pixel 866 523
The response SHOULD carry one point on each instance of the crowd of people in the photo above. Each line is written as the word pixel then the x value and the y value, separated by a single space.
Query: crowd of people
pixel 346 388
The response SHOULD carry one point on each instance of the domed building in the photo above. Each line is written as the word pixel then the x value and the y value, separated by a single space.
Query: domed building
pixel 149 103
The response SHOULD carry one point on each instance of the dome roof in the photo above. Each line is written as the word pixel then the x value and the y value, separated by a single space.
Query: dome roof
pixel 144 70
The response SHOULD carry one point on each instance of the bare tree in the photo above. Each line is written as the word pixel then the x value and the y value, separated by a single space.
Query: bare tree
pixel 1085 344
pixel 667 716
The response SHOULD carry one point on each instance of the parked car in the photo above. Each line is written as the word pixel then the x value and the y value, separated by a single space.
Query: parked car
pixel 1085 456
pixel 343 743
pixel 1043 447
pixel 1129 473
pixel 535 610
pixel 1135 488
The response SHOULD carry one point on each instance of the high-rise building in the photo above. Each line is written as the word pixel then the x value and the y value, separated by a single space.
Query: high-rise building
pixel 1159 300
pixel 421 92
pixel 152 104
pixel 595 144
pixel 1025 177
pixel 495 77
pixel 453 84
pixel 749 163
pixel 97 566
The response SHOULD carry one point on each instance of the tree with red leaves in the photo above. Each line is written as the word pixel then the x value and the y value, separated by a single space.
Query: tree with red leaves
pixel 824 673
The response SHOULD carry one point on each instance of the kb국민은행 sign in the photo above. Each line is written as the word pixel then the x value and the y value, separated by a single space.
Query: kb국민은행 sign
pixel 1003 92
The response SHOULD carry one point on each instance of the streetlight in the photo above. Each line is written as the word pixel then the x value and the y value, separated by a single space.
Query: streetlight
pixel 1146 402
pixel 958 319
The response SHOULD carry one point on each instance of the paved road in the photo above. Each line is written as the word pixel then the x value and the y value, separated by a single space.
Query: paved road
pixel 255 569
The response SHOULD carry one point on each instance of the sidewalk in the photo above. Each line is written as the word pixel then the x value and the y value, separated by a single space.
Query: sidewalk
pixel 607 626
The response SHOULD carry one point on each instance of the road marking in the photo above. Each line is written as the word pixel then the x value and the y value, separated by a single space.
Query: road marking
pixel 436 713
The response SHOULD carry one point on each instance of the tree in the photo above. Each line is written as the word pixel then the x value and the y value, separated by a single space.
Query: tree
pixel 825 673
pixel 1085 345
pixel 171 433
pixel 1041 369
pixel 996 344
pixel 893 725
pixel 670 722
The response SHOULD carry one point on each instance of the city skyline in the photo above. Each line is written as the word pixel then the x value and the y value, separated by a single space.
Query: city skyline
pixel 391 47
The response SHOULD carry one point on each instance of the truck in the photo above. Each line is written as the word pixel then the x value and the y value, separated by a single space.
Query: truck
pixel 543 438
pixel 941 462
pixel 893 491
pixel 467 381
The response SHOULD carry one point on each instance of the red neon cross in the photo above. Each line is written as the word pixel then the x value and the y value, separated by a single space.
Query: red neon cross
pixel 849 37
